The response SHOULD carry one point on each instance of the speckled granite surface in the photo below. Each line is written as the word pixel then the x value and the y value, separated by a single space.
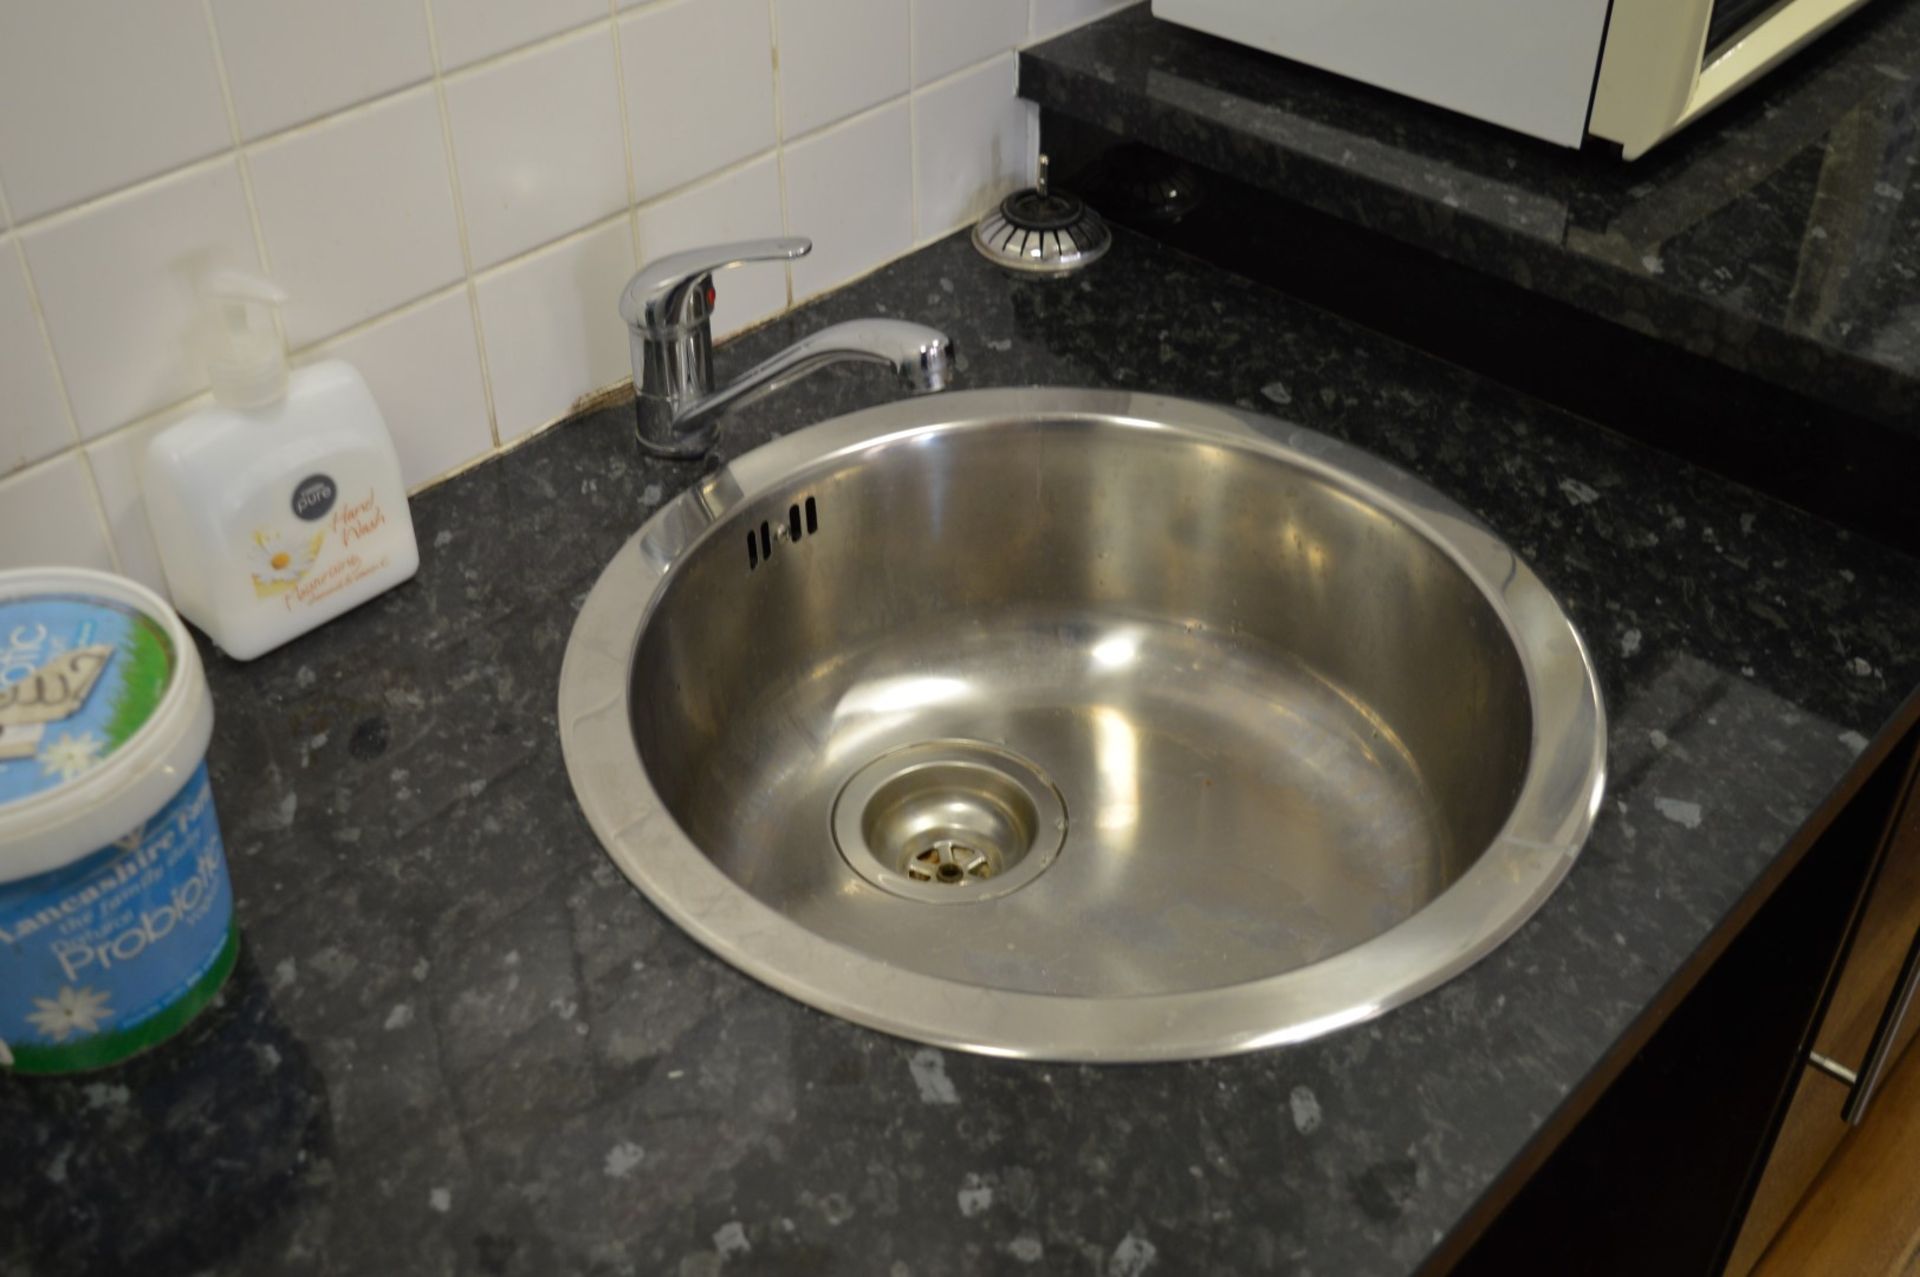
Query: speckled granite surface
pixel 1779 235
pixel 460 1042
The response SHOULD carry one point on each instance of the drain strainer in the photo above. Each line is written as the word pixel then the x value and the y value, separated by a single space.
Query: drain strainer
pixel 949 821
pixel 1042 231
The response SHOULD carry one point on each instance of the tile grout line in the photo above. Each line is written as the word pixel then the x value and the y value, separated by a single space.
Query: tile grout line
pixel 75 438
pixel 1032 159
pixel 93 203
pixel 506 55
pixel 705 179
pixel 261 256
pixel 77 443
pixel 1106 11
pixel 780 139
pixel 913 124
pixel 960 73
pixel 460 224
pixel 339 114
pixel 100 509
pixel 404 309
pixel 487 273
pixel 876 107
pixel 626 129
pixel 283 133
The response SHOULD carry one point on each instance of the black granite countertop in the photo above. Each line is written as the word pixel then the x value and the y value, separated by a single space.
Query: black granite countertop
pixel 459 1041
pixel 1779 235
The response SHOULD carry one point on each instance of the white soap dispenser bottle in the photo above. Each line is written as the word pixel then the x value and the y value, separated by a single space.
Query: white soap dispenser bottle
pixel 282 506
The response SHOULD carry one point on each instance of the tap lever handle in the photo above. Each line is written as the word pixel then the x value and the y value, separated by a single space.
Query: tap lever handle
pixel 662 294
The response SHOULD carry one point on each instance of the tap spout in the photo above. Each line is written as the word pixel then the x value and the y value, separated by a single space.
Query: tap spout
pixel 920 357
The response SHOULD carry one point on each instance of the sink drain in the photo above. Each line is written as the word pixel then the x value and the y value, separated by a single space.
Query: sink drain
pixel 949 821
pixel 948 861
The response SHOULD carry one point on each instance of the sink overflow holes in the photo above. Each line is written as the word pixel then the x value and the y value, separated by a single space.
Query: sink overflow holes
pixel 760 540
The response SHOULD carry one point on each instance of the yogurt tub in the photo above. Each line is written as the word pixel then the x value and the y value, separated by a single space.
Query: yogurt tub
pixel 116 914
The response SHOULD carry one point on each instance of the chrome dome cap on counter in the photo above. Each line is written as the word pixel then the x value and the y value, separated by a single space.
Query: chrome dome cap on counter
pixel 1042 231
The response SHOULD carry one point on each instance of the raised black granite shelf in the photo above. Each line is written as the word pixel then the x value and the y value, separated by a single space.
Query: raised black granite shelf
pixel 459 1041
pixel 1779 236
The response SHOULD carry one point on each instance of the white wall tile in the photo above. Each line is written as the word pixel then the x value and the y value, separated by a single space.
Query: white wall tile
pixel 699 81
pixel 289 61
pixel 552 325
pixel 851 190
pixel 950 34
pixel 358 214
pixel 838 57
pixel 972 137
pixel 1050 17
pixel 116 461
pixel 538 144
pixel 744 204
pixel 116 281
pixel 424 367
pixel 469 30
pixel 33 420
pixel 95 94
pixel 357 204
pixel 48 517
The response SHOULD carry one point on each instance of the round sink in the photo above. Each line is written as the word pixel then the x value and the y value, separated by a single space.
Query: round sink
pixel 1081 725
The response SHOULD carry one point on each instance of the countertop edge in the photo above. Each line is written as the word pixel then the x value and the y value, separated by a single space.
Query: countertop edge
pixel 1831 374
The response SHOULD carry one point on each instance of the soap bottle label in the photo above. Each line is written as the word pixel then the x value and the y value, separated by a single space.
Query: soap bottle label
pixel 328 540
pixel 313 497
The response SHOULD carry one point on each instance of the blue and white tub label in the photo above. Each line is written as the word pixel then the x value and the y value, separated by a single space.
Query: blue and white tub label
pixel 94 954
pixel 79 678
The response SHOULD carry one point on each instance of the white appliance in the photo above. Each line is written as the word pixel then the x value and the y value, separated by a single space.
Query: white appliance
pixel 1558 69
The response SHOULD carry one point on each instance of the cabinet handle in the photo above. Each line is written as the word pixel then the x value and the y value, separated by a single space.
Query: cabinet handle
pixel 1873 1070
pixel 1833 1069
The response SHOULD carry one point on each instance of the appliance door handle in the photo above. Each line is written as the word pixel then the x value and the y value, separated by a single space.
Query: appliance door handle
pixel 1873 1069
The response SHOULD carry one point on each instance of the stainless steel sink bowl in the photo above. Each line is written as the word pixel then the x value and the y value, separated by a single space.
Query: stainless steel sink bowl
pixel 1081 725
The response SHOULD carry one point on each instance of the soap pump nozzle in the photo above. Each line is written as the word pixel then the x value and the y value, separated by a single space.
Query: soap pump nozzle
pixel 246 358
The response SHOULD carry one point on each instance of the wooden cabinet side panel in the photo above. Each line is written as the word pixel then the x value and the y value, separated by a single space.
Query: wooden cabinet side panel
pixel 1813 1129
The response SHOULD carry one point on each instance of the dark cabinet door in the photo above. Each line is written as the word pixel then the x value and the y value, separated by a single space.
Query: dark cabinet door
pixel 1869 1022
pixel 1659 1175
